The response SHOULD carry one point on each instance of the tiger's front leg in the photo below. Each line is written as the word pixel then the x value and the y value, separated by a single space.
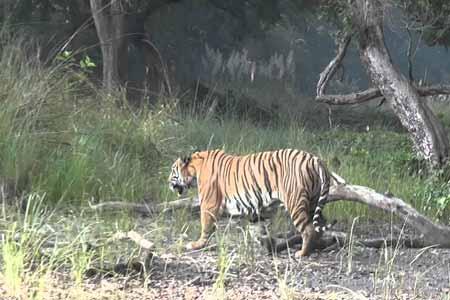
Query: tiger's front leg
pixel 208 216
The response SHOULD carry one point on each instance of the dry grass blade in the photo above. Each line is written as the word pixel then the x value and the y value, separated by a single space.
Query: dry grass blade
pixel 354 295
pixel 422 251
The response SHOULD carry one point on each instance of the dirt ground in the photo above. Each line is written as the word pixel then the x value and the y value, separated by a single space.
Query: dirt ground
pixel 407 274
pixel 343 273
pixel 375 274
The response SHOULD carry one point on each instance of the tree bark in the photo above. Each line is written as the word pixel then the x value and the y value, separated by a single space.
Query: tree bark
pixel 425 129
pixel 110 22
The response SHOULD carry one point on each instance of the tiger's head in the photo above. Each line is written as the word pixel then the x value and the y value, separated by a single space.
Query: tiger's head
pixel 183 175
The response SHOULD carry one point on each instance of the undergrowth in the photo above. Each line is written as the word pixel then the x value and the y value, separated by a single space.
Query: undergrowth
pixel 64 144
pixel 61 137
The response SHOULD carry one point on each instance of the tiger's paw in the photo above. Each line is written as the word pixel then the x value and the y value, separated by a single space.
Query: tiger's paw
pixel 301 253
pixel 189 246
pixel 195 245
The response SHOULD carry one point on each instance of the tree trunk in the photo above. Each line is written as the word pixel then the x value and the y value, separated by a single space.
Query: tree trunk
pixel 109 19
pixel 426 131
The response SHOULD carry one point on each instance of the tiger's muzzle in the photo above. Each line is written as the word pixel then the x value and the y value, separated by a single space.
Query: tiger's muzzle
pixel 181 187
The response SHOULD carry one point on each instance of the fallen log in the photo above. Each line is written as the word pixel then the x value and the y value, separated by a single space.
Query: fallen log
pixel 338 239
pixel 432 234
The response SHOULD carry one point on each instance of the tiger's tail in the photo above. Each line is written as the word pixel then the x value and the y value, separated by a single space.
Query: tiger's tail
pixel 324 189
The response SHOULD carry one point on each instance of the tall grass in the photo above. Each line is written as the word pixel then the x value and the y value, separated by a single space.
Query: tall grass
pixel 62 143
pixel 61 137
pixel 21 246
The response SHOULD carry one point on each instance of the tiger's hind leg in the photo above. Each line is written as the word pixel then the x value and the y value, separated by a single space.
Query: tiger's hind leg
pixel 309 237
pixel 302 219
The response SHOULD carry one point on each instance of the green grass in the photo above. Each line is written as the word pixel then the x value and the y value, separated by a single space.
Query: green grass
pixel 61 137
pixel 63 143
pixel 56 140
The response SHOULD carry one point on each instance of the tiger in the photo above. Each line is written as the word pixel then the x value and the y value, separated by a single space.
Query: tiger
pixel 247 185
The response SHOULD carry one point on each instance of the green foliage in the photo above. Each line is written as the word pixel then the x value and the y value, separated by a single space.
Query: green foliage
pixel 430 18
pixel 56 139
pixel 337 13
pixel 68 59
pixel 77 71
pixel 224 263
pixel 436 195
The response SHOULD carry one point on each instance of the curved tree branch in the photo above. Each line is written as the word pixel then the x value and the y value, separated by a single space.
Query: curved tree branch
pixel 434 90
pixel 334 64
pixel 374 93
pixel 363 96
pixel 353 98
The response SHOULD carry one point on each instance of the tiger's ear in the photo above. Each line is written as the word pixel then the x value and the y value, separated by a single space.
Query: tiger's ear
pixel 186 159
pixel 195 153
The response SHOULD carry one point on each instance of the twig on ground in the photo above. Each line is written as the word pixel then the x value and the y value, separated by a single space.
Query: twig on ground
pixel 147 208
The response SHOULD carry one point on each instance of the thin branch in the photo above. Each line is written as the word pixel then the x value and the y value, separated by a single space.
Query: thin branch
pixel 370 94
pixel 328 73
pixel 410 55
pixel 147 208
pixel 374 93
pixel 144 209
pixel 163 65
pixel 434 90
pixel 331 68
pixel 135 264
pixel 353 98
